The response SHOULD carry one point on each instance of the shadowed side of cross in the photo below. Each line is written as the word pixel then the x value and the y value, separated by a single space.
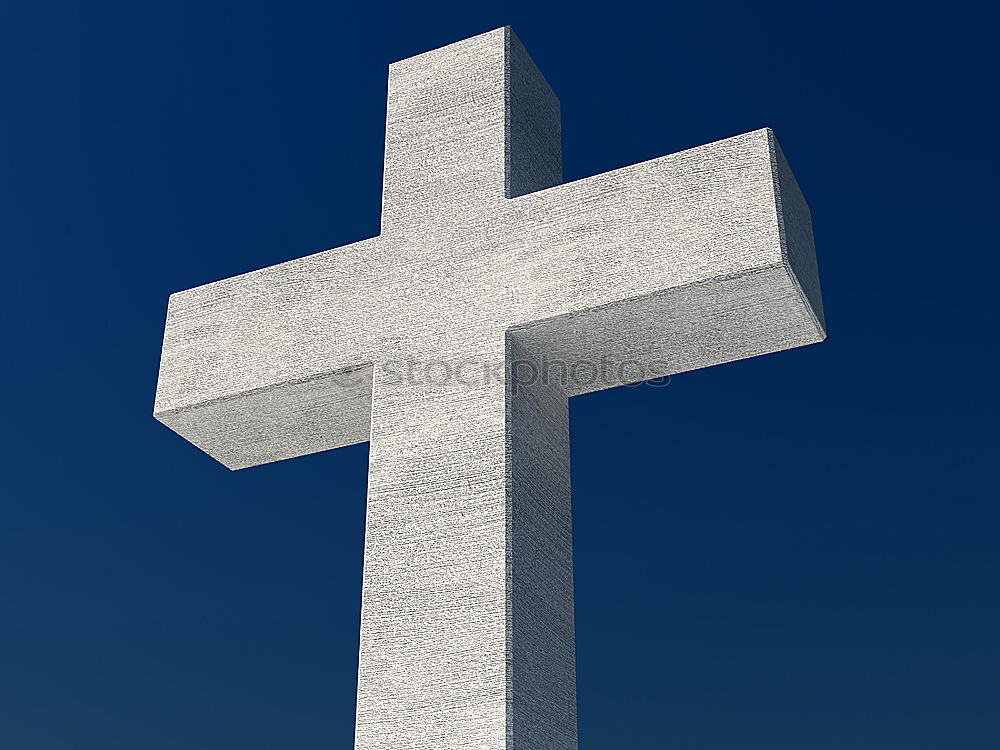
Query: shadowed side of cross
pixel 452 341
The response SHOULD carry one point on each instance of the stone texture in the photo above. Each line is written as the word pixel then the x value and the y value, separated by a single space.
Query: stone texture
pixel 489 268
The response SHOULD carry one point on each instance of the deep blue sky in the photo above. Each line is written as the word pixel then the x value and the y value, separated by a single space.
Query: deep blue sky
pixel 796 551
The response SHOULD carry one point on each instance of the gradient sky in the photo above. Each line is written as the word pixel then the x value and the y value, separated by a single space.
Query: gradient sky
pixel 795 551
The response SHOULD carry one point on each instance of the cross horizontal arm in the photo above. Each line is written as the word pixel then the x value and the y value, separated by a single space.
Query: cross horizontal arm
pixel 274 363
pixel 686 218
pixel 690 260
pixel 686 261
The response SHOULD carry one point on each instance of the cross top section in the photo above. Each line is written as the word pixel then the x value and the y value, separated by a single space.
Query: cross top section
pixel 479 241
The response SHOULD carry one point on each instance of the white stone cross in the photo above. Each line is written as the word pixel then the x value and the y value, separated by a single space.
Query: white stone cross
pixel 452 340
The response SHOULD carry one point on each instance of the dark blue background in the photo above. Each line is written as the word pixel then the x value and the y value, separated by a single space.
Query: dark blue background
pixel 796 551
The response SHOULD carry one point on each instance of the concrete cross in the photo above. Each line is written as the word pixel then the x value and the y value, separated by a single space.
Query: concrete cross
pixel 452 340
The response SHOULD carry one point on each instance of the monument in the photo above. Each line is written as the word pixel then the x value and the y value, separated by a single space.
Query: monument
pixel 452 342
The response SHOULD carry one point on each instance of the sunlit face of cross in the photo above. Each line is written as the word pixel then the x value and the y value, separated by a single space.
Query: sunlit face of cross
pixel 452 341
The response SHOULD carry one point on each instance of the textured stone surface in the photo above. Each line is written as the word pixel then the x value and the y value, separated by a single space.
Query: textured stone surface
pixel 428 340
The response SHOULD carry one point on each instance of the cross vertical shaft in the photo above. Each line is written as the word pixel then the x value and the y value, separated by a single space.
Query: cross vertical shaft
pixel 467 619
pixel 467 614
